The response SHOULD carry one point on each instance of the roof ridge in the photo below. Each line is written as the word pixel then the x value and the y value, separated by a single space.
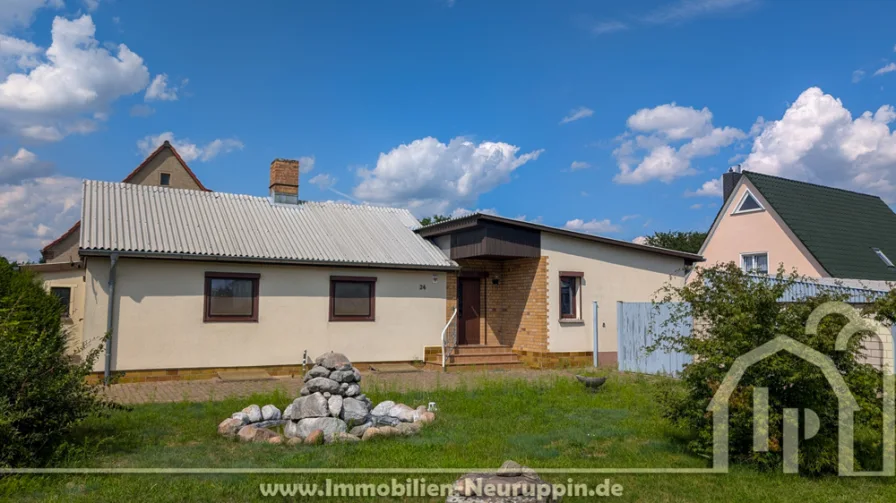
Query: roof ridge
pixel 801 182
pixel 234 195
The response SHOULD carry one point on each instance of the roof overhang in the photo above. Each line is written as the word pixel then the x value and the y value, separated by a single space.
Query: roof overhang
pixel 475 219
pixel 253 260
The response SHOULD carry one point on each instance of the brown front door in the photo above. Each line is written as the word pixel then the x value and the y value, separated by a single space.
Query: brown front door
pixel 468 314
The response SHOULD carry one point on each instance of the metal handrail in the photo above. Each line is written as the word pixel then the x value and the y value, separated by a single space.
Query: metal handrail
pixel 444 341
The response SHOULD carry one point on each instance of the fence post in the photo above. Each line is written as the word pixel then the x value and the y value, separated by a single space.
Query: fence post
pixel 595 333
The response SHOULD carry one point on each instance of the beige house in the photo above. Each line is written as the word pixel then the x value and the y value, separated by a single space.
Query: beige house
pixel 527 292
pixel 821 232
pixel 191 283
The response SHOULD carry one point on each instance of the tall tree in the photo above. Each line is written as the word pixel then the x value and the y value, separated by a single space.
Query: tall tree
pixel 434 219
pixel 689 241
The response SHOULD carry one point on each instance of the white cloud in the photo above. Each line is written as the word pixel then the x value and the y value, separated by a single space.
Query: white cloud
pixel 42 133
pixel 696 206
pixel 891 67
pixel 188 150
pixel 15 52
pixel 91 5
pixel 592 226
pixel 35 212
pixel 672 121
pixel 611 26
pixel 160 90
pixel 428 176
pixel 577 165
pixel 536 220
pixel 577 114
pixel 21 166
pixel 818 140
pixel 323 181
pixel 711 188
pixel 73 79
pixel 21 12
pixel 306 163
pixel 857 76
pixel 641 240
pixel 626 218
pixel 648 149
pixel 685 10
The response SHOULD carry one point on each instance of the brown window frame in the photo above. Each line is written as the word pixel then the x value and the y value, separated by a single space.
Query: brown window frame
pixel 371 280
pixel 169 179
pixel 576 278
pixel 209 318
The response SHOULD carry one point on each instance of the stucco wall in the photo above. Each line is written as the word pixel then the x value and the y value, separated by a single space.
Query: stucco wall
pixel 611 274
pixel 74 279
pixel 165 162
pixel 757 232
pixel 65 250
pixel 159 307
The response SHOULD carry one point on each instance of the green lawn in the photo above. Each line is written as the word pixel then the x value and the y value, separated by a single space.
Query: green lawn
pixel 548 423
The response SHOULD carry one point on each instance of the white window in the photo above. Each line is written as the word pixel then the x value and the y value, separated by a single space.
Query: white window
pixel 748 204
pixel 884 258
pixel 755 263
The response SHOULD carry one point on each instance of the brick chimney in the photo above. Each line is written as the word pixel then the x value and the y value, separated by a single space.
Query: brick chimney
pixel 729 181
pixel 285 181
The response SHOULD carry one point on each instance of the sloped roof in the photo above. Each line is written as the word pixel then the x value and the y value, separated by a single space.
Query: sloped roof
pixel 166 145
pixel 840 228
pixel 164 222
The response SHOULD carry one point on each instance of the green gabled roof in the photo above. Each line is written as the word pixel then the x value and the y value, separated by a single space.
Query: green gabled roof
pixel 840 228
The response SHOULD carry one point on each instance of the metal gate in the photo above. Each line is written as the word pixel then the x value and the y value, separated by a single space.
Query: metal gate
pixel 635 322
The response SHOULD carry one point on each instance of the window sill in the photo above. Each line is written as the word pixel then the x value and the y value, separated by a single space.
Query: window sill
pixel 214 320
pixel 343 320
pixel 572 321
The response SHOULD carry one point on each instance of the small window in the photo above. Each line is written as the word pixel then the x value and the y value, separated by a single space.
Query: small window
pixel 352 298
pixel 884 258
pixel 165 179
pixel 748 204
pixel 64 294
pixel 755 263
pixel 231 296
pixel 569 295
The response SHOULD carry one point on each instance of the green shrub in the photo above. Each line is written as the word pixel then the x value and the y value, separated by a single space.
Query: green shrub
pixel 736 314
pixel 43 392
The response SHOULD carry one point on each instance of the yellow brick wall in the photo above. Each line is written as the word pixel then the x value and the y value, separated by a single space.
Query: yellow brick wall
pixel 515 309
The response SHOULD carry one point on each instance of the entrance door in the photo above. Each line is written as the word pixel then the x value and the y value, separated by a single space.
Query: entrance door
pixel 468 312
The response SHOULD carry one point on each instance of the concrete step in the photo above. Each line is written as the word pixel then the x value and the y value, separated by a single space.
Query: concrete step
pixel 481 349
pixel 483 359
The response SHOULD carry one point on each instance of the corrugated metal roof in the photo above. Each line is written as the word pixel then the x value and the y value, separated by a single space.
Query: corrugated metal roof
pixel 160 221
pixel 857 291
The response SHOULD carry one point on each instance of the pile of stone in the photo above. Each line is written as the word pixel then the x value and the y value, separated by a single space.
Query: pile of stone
pixel 331 408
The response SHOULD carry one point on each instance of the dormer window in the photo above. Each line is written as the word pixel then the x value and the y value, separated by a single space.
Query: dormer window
pixel 165 179
pixel 748 204
pixel 883 257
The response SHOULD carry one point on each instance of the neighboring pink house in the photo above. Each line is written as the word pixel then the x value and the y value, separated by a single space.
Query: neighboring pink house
pixel 822 232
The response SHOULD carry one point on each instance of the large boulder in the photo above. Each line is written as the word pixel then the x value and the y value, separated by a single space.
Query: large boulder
pixel 342 376
pixel 317 371
pixel 333 361
pixel 402 412
pixel 335 405
pixel 354 412
pixel 329 425
pixel 352 390
pixel 509 475
pixel 308 406
pixel 242 417
pixel 254 413
pixel 250 433
pixel 361 428
pixel 385 421
pixel 357 374
pixel 322 385
pixel 383 408
pixel 269 412
pixel 229 427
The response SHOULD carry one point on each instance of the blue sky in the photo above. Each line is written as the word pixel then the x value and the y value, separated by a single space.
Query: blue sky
pixel 446 106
